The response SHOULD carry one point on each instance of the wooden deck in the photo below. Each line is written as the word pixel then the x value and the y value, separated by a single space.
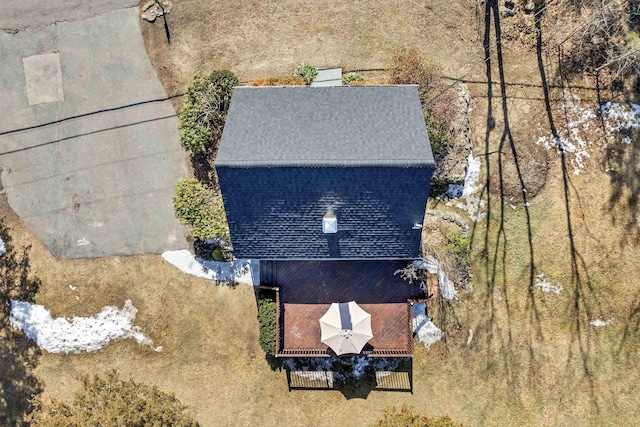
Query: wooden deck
pixel 307 288
pixel 389 323
pixel 325 282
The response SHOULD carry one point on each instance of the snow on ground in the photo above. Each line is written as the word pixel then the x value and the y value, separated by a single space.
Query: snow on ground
pixel 618 117
pixel 423 327
pixel 599 323
pixel 545 285
pixel 3 248
pixel 337 368
pixel 465 193
pixel 240 271
pixel 447 287
pixel 62 335
pixel 589 128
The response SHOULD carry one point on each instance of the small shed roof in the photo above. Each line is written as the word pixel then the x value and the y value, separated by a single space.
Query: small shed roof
pixel 325 126
pixel 328 77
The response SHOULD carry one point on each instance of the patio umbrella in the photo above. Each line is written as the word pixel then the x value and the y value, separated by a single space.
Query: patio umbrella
pixel 346 327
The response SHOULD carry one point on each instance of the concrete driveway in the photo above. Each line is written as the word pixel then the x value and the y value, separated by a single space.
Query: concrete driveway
pixel 89 151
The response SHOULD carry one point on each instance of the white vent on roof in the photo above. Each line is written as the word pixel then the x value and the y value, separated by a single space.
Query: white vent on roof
pixel 329 224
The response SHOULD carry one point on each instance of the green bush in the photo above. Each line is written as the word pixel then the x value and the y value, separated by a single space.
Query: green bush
pixel 218 255
pixel 438 134
pixel 306 72
pixel 201 209
pixel 349 78
pixel 204 110
pixel 406 417
pixel 267 321
pixel 458 247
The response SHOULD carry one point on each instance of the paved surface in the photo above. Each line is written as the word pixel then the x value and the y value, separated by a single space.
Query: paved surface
pixel 92 174
pixel 44 78
pixel 18 15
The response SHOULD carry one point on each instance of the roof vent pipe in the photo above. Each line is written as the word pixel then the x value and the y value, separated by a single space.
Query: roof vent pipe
pixel 329 224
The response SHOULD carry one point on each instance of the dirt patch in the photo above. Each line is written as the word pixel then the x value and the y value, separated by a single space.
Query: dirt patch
pixel 530 169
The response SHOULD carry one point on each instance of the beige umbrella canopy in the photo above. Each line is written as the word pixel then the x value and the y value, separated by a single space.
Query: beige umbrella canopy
pixel 346 327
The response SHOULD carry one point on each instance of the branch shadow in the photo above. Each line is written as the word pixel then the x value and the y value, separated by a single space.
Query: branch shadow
pixel 498 293
pixel 18 355
pixel 583 300
pixel 627 350
pixel 622 164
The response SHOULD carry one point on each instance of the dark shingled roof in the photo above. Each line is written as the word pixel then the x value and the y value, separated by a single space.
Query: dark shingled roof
pixel 276 212
pixel 325 126
pixel 290 155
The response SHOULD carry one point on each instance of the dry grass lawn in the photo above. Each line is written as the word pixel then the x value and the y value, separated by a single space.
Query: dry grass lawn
pixel 533 358
pixel 270 37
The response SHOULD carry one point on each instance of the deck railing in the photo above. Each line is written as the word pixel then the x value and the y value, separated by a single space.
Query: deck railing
pixel 326 352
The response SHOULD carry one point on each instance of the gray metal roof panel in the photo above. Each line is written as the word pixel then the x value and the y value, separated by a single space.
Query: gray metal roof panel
pixel 325 126
pixel 328 77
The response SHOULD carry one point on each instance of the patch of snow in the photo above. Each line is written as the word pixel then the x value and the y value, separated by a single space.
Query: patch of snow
pixel 465 193
pixel 543 283
pixel 423 328
pixel 338 368
pixel 313 364
pixel 3 248
pixel 588 128
pixel 62 335
pixel 419 314
pixel 447 287
pixel 358 366
pixel 599 323
pixel 472 176
pixel 618 117
pixel 239 271
pixel 455 191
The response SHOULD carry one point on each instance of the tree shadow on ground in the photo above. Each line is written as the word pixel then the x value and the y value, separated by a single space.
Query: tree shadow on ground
pixel 622 164
pixel 630 341
pixel 495 244
pixel 18 355
pixel 584 302
pixel 590 51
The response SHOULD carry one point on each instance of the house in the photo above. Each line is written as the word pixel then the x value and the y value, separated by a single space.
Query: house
pixel 327 187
